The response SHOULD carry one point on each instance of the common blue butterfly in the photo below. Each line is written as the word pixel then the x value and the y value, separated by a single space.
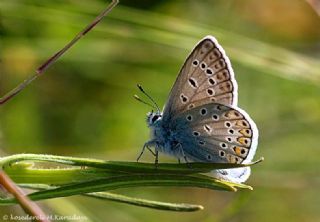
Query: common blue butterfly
pixel 201 121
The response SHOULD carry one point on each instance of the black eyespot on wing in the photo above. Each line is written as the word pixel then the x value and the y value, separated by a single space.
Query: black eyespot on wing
pixel 223 145
pixel 195 62
pixel 189 118
pixel 196 133
pixel 184 99
pixel 203 111
pixel 211 81
pixel 210 92
pixel 192 82
pixel 215 117
pixel 209 71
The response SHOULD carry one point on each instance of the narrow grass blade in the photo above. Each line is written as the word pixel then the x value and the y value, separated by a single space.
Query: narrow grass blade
pixel 182 207
pixel 158 205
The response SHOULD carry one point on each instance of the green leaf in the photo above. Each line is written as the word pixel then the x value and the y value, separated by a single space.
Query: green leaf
pixel 83 176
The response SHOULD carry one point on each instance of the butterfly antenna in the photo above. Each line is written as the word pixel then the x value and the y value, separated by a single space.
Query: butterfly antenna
pixel 142 90
pixel 144 102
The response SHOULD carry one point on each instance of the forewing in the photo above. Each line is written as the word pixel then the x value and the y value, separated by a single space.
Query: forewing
pixel 205 77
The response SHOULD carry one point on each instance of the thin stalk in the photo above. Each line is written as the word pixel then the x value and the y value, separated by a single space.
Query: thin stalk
pixel 27 205
pixel 41 69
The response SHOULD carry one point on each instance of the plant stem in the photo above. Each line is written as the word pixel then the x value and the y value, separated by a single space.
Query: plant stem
pixel 41 69
pixel 28 206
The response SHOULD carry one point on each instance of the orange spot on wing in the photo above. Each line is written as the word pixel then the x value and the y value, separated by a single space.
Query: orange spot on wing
pixel 244 141
pixel 237 150
pixel 246 132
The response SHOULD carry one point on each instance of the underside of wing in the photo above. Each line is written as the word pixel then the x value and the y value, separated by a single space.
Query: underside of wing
pixel 217 133
pixel 205 77
pixel 221 134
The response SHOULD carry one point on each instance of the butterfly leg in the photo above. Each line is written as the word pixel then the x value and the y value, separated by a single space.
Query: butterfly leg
pixel 146 145
pixel 179 146
pixel 156 161
pixel 185 157
pixel 142 151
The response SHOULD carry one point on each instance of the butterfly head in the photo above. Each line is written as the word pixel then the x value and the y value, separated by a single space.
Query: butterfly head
pixel 153 118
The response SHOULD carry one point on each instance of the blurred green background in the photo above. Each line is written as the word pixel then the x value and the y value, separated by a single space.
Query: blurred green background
pixel 83 105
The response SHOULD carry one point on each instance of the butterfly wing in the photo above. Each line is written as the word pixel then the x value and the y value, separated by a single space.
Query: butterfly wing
pixel 202 110
pixel 218 133
pixel 205 77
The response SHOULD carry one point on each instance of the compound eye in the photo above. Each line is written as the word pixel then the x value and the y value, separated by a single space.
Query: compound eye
pixel 154 118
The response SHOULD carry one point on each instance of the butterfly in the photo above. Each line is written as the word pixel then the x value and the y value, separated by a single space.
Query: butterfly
pixel 201 121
